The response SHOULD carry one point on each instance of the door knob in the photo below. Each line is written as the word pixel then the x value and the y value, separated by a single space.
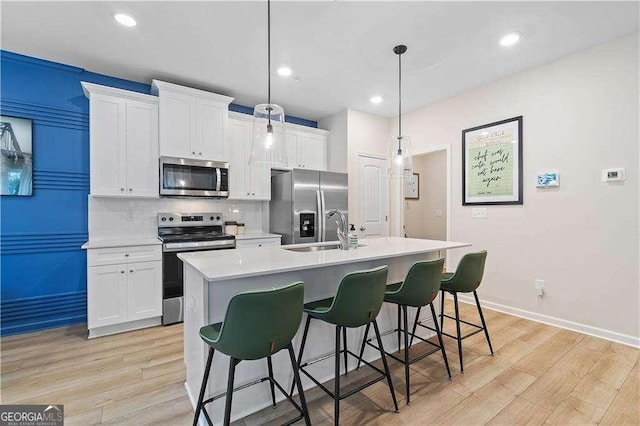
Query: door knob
pixel 362 228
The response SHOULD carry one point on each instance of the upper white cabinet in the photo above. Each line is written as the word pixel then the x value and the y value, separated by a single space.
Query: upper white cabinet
pixel 245 182
pixel 306 148
pixel 123 134
pixel 193 123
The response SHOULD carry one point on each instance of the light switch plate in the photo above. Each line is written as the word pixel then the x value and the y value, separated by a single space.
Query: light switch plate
pixel 613 175
pixel 479 213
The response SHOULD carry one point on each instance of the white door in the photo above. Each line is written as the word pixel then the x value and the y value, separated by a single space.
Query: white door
pixel 211 143
pixel 372 190
pixel 177 125
pixel 312 152
pixel 142 149
pixel 108 156
pixel 144 284
pixel 107 295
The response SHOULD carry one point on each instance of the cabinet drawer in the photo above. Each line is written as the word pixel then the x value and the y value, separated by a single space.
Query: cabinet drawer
pixel 258 242
pixel 110 256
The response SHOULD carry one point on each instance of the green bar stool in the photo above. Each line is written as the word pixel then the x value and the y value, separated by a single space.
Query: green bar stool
pixel 466 279
pixel 257 324
pixel 419 288
pixel 357 303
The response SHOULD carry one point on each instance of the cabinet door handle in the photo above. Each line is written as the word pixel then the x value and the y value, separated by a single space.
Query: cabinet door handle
pixel 126 255
pixel 259 245
pixel 130 189
pixel 253 193
pixel 122 272
pixel 199 153
pixel 131 270
pixel 121 189
pixel 193 153
pixel 362 228
pixel 248 193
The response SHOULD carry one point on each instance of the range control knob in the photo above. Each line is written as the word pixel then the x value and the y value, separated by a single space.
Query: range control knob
pixel 164 219
pixel 211 218
pixel 170 219
pixel 217 217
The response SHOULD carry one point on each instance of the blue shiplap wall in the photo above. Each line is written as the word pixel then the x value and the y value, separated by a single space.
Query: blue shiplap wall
pixel 43 270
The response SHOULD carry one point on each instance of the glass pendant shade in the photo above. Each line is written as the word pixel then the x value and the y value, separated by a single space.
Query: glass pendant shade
pixel 269 144
pixel 400 160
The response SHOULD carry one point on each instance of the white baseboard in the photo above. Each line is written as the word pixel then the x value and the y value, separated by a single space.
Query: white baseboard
pixel 613 336
pixel 108 330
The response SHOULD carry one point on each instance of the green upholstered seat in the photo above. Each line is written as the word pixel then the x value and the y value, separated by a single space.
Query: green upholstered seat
pixel 420 286
pixel 257 323
pixel 357 301
pixel 468 274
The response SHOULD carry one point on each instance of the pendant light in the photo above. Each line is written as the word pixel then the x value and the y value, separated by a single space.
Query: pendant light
pixel 268 146
pixel 400 162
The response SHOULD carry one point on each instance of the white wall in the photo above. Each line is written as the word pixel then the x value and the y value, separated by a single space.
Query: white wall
pixel 337 141
pixel 580 116
pixel 420 218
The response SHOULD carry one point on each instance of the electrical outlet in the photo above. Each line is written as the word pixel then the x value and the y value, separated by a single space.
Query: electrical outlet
pixel 479 213
pixel 540 287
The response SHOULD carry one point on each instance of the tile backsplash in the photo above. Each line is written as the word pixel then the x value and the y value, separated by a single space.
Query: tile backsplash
pixel 137 218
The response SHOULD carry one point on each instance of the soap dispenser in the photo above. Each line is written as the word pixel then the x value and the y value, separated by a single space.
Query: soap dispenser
pixel 353 236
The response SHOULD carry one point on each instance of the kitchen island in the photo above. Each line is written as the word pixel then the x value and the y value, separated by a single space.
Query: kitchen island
pixel 212 278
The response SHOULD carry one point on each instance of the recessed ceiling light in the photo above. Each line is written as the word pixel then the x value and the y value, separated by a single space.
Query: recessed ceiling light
pixel 376 99
pixel 510 39
pixel 284 71
pixel 125 20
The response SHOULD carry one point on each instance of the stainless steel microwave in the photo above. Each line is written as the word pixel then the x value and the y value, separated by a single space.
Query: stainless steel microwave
pixel 184 177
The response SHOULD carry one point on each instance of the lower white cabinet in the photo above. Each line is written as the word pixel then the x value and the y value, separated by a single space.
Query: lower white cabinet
pixel 123 295
pixel 257 242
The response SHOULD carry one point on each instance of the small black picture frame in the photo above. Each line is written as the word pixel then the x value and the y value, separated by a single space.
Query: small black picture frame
pixel 492 163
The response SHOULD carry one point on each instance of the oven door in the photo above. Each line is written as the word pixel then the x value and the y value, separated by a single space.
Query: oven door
pixel 193 178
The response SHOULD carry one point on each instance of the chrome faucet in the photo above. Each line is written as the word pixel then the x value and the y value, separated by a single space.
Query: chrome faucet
pixel 342 228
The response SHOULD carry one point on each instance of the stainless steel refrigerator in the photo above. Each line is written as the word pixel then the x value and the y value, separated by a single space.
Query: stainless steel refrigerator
pixel 300 200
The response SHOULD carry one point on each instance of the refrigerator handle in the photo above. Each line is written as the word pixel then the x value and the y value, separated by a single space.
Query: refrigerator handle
pixel 320 211
pixel 323 217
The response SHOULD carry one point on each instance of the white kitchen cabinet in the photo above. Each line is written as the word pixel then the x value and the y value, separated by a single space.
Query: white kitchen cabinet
pixel 246 182
pixel 192 122
pixel 306 149
pixel 257 242
pixel 124 288
pixel 123 135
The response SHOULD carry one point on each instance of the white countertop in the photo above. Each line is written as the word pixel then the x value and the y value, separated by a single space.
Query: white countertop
pixel 256 235
pixel 220 265
pixel 121 242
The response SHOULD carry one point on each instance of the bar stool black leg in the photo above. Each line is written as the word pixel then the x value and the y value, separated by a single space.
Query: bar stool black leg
pixel 415 325
pixel 344 344
pixel 205 379
pixel 298 383
pixel 271 385
pixel 386 366
pixel 455 302
pixel 439 333
pixel 406 352
pixel 484 324
pixel 227 406
pixel 336 392
pixel 399 331
pixel 364 342
pixel 304 341
pixel 442 310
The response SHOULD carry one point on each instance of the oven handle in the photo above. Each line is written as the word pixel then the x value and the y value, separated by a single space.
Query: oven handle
pixel 196 246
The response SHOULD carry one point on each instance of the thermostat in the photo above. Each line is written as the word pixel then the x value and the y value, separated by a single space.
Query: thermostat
pixel 548 180
pixel 613 175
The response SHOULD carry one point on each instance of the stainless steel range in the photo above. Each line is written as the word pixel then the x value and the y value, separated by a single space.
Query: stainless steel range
pixel 181 232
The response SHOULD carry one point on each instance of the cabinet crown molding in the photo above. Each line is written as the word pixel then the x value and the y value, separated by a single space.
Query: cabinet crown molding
pixel 97 89
pixel 157 85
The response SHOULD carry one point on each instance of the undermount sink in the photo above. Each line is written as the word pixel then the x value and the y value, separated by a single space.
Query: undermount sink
pixel 315 248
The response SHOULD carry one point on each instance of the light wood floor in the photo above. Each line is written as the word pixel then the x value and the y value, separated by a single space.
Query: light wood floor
pixel 539 374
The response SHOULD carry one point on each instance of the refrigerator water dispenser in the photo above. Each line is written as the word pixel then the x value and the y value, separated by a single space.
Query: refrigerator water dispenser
pixel 307 225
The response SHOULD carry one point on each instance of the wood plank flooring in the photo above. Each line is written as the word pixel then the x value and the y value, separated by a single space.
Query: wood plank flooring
pixel 539 375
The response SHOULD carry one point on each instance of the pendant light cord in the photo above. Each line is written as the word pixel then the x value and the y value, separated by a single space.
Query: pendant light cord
pixel 399 100
pixel 269 59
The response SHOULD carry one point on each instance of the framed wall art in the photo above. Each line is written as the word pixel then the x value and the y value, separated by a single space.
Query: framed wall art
pixel 16 154
pixel 412 187
pixel 492 163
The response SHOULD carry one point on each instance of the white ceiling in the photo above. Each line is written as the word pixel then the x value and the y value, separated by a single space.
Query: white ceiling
pixel 341 51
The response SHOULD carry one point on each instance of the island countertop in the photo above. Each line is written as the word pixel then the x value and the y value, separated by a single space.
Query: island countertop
pixel 217 265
